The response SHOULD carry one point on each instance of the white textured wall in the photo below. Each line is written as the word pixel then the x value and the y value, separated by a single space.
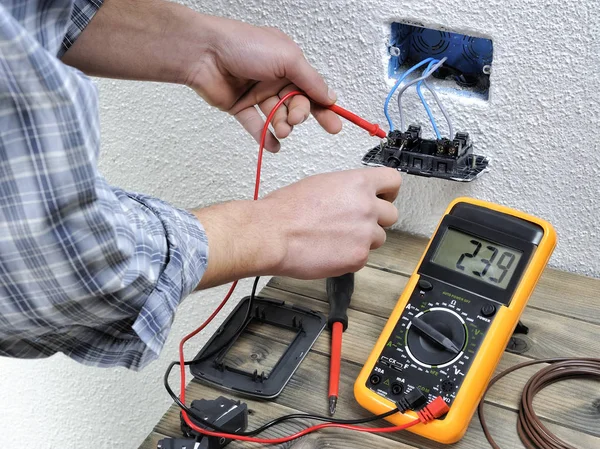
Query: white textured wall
pixel 163 140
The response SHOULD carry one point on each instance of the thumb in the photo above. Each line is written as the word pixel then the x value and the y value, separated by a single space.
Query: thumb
pixel 305 76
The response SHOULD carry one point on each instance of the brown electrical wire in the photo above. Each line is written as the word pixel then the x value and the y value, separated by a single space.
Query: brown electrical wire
pixel 531 431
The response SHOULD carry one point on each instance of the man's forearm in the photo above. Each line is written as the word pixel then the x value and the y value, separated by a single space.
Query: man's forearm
pixel 150 40
pixel 242 241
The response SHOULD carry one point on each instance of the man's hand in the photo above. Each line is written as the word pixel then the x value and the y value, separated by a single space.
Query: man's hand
pixel 232 65
pixel 245 66
pixel 321 226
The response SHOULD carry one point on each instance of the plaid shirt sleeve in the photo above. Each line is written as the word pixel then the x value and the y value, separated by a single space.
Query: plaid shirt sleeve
pixel 82 13
pixel 86 269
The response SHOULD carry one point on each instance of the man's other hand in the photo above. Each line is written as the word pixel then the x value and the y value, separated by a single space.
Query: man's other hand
pixel 321 226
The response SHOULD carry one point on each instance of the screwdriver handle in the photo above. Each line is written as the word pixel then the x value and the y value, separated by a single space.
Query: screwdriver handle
pixel 339 293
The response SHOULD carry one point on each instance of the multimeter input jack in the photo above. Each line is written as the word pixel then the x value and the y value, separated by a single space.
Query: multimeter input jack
pixel 397 389
pixel 375 379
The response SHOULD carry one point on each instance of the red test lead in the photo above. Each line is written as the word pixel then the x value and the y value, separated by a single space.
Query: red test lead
pixel 372 128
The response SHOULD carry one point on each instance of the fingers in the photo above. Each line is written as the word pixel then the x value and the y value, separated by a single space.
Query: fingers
pixel 303 75
pixel 386 181
pixel 279 121
pixel 379 236
pixel 293 112
pixel 387 213
pixel 328 120
pixel 252 122
pixel 260 92
pixel 298 107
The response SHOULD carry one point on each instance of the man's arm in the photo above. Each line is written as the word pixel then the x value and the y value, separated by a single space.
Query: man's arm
pixel 148 40
pixel 85 268
pixel 232 65
pixel 236 66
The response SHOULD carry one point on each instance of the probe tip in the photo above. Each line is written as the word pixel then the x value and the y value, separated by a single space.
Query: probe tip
pixel 332 405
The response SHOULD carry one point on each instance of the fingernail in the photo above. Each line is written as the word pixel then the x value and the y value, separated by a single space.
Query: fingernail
pixel 331 94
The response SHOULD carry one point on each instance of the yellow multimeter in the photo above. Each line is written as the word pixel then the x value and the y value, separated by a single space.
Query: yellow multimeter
pixel 457 313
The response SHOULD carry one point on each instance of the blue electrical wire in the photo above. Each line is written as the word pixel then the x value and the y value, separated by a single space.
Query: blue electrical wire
pixel 425 105
pixel 404 75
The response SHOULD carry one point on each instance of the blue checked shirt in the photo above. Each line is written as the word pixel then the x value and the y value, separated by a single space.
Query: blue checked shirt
pixel 85 268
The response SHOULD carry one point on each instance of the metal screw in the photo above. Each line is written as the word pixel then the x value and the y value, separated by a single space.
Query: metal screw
pixel 487 69
pixel 394 51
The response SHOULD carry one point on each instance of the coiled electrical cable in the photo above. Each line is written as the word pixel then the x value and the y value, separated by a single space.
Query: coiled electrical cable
pixel 532 432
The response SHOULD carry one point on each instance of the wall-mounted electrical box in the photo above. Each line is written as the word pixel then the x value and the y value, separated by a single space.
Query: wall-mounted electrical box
pixel 469 61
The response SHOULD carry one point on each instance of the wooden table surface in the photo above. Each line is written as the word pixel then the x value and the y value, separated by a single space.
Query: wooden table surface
pixel 563 316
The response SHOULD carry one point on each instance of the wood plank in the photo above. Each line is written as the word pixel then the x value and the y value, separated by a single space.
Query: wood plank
pixel 375 292
pixel 400 253
pixel 262 411
pixel 550 335
pixel 352 440
pixel 562 315
pixel 152 440
pixel 558 291
pixel 573 410
pixel 306 392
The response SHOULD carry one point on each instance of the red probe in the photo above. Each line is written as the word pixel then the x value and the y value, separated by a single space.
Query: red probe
pixel 335 361
pixel 372 128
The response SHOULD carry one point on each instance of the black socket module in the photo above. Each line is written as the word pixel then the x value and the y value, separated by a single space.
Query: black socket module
pixel 438 158
pixel 226 413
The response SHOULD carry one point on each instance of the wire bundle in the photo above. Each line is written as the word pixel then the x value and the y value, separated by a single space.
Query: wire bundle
pixel 432 66
pixel 532 432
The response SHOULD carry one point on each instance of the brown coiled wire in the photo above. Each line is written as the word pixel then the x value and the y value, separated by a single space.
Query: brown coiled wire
pixel 531 431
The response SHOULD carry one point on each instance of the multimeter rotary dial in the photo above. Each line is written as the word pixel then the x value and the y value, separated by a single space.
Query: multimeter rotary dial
pixel 436 337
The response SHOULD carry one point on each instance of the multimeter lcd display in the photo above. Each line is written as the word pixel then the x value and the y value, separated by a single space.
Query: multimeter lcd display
pixel 478 258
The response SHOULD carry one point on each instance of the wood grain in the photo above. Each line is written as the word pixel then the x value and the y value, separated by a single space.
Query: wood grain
pixel 562 315
pixel 306 392
pixel 550 335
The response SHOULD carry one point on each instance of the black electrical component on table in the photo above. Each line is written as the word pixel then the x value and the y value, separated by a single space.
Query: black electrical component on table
pixel 228 414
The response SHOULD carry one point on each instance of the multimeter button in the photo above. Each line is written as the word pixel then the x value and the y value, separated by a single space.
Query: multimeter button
pixel 425 285
pixel 488 310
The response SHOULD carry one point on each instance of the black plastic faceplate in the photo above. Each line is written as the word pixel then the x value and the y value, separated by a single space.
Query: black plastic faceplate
pixel 307 325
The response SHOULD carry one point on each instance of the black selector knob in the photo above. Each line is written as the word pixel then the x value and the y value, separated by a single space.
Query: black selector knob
pixel 441 345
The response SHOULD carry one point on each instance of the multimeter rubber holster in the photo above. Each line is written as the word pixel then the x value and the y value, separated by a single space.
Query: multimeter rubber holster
pixel 456 314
